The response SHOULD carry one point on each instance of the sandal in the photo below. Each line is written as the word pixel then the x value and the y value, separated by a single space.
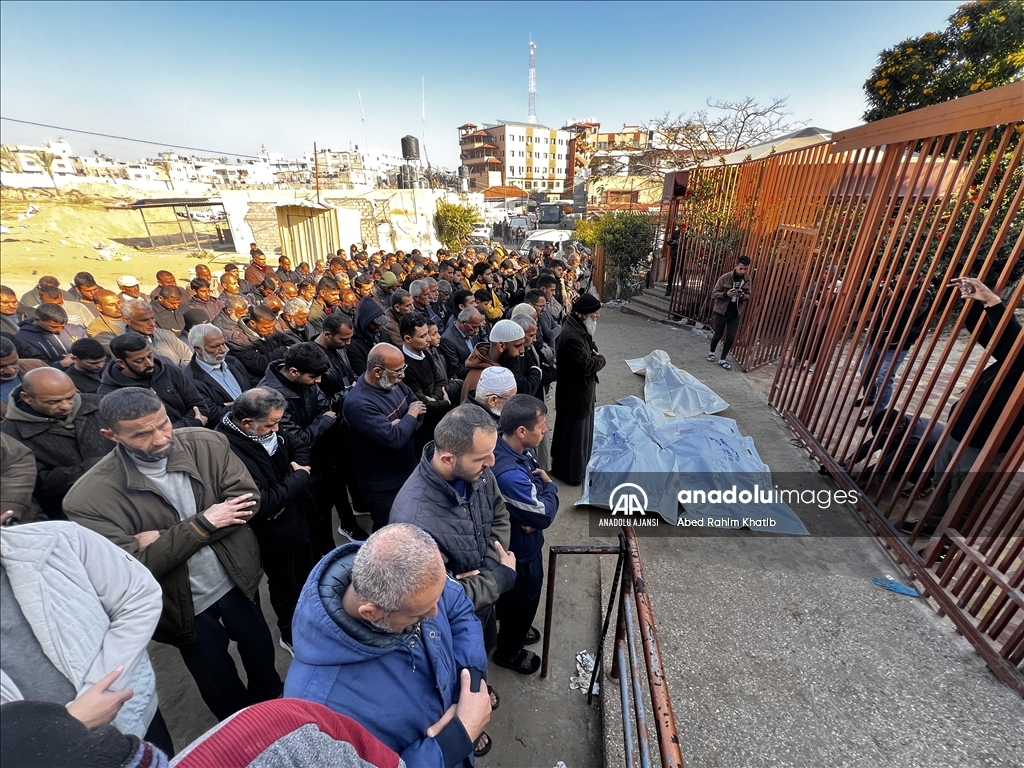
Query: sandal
pixel 525 662
pixel 495 698
pixel 711 357
pixel 725 364
pixel 482 745
pixel 532 637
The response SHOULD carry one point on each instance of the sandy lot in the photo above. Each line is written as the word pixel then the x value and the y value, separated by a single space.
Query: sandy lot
pixel 61 238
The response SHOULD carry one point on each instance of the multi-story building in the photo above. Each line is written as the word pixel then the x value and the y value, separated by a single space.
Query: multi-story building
pixel 526 155
pixel 52 159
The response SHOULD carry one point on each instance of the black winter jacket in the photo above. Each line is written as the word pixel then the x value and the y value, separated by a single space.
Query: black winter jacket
pixel 62 455
pixel 304 414
pixel 177 393
pixel 284 492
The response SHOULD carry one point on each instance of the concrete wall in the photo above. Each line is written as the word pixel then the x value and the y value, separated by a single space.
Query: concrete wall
pixel 382 218
pixel 42 181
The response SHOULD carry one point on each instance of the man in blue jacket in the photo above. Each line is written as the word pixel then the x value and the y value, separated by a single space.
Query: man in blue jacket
pixel 532 502
pixel 383 636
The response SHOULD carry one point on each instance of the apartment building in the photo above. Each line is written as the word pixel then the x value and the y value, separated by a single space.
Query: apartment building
pixel 526 155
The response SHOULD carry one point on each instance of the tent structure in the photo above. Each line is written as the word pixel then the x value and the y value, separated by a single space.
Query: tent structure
pixel 309 230
pixel 805 137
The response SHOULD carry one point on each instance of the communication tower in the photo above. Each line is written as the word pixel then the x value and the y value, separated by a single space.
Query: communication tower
pixel 532 117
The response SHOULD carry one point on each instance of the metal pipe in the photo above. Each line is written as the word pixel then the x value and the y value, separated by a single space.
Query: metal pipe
pixel 627 726
pixel 668 735
pixel 643 735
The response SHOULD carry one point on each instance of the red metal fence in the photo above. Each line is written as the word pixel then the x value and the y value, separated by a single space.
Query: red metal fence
pixel 855 244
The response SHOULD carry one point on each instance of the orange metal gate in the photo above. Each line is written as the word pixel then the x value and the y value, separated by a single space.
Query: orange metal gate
pixel 894 212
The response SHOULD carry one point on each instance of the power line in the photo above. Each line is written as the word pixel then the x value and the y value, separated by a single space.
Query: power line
pixel 127 138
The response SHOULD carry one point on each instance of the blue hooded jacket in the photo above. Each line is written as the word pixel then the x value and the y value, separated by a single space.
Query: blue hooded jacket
pixel 530 501
pixel 396 686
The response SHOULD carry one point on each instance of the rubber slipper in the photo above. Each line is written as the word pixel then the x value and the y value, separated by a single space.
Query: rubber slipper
pixel 533 636
pixel 495 698
pixel 725 365
pixel 480 751
pixel 711 357
pixel 525 662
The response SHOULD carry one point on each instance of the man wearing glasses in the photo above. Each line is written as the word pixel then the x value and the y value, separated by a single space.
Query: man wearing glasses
pixel 382 414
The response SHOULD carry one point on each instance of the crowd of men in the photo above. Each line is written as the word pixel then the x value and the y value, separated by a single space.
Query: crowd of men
pixel 212 429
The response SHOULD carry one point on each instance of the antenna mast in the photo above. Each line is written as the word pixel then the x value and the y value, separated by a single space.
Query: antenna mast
pixel 532 117
pixel 366 140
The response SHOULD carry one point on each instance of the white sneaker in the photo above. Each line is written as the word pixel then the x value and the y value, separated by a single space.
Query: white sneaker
pixel 287 647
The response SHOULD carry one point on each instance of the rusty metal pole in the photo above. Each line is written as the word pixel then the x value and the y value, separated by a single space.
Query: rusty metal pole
pixel 142 213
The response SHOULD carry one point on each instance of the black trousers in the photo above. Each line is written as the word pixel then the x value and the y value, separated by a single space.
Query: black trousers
pixel 728 328
pixel 233 617
pixel 518 607
pixel 378 504
pixel 158 735
pixel 489 622
pixel 286 568
pixel 332 465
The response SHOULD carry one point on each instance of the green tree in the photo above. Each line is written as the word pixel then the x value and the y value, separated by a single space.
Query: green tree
pixel 982 47
pixel 454 223
pixel 628 240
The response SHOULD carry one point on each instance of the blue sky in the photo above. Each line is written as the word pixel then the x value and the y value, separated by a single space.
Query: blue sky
pixel 233 76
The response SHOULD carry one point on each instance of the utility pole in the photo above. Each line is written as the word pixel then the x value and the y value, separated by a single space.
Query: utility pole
pixel 316 172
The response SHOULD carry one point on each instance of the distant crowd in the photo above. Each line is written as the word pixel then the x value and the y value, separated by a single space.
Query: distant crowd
pixel 213 428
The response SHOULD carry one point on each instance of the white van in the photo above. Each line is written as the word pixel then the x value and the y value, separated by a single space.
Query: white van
pixel 544 237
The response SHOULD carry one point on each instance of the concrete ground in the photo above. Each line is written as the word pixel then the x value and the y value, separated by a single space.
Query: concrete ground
pixel 778 651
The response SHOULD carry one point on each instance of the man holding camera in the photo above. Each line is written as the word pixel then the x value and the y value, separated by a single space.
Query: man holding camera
pixel 728 296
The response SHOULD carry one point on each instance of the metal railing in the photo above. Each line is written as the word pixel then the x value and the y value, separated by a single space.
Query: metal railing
pixel 629 586
pixel 857 244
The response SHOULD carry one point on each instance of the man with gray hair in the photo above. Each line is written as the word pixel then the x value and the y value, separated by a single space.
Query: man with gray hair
pixel 384 637
pixel 293 323
pixel 139 318
pixel 274 459
pixel 421 296
pixel 218 376
pixel 234 310
pixel 454 497
pixel 458 341
pixel 179 500
pixel 493 390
